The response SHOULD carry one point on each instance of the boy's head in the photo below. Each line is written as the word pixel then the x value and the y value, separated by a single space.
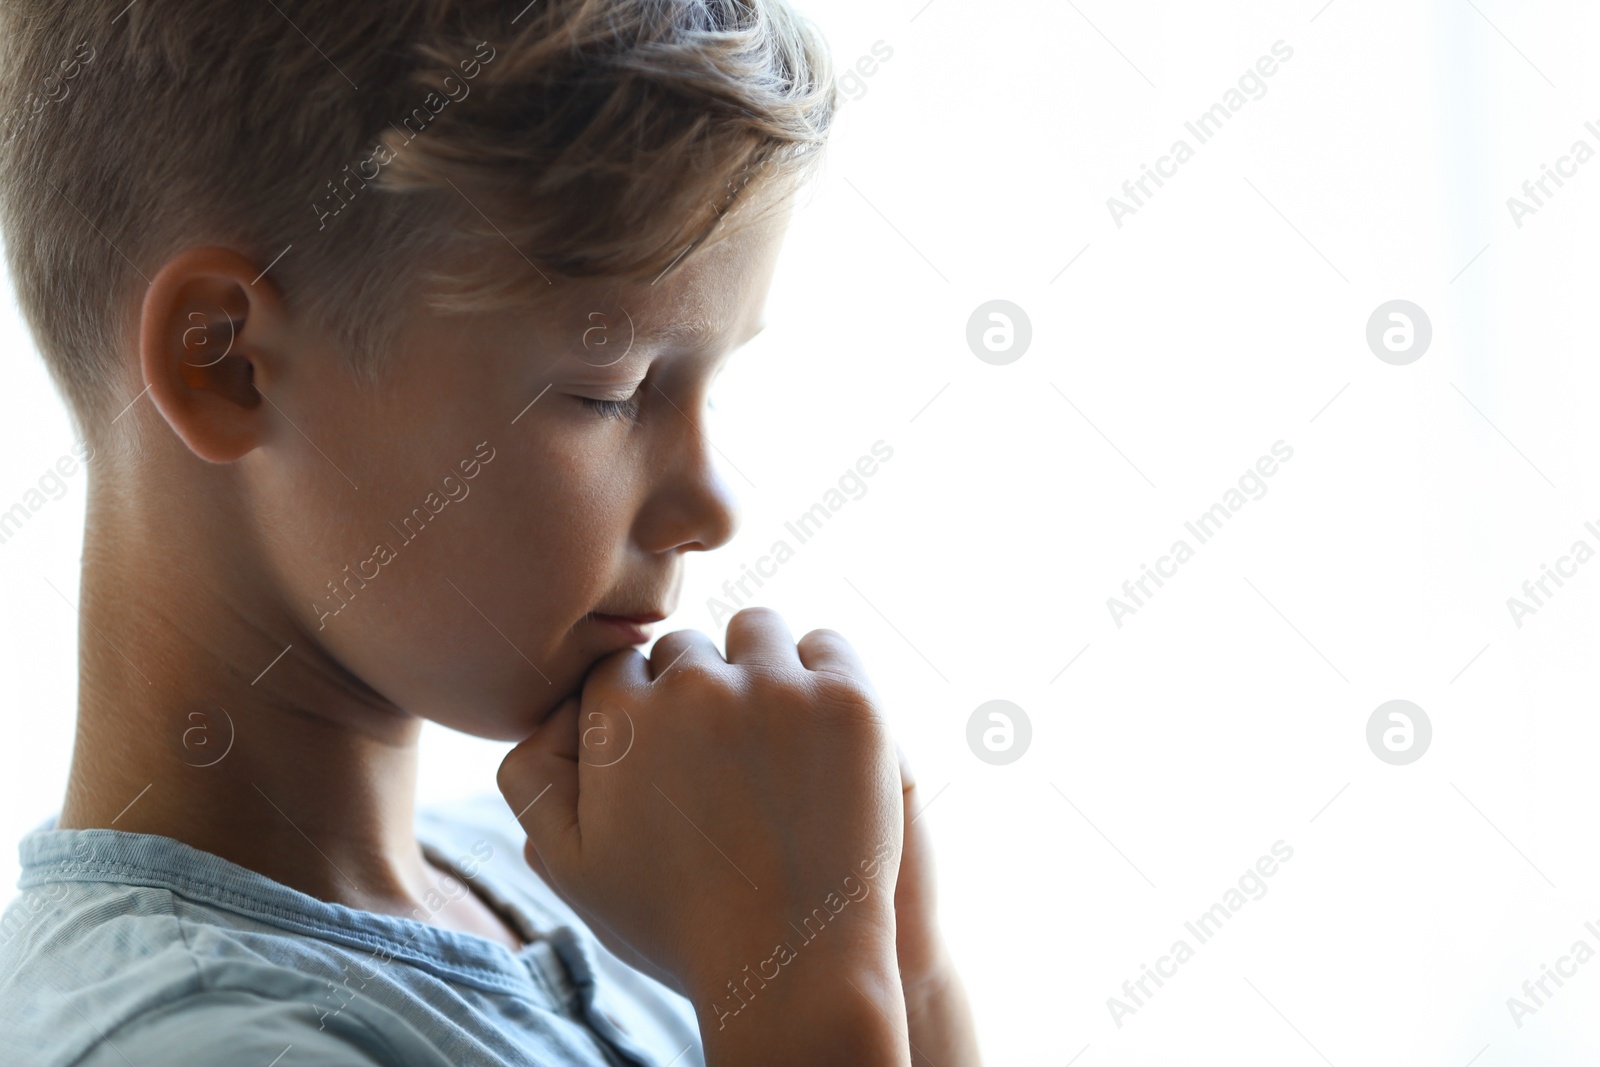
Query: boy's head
pixel 392 323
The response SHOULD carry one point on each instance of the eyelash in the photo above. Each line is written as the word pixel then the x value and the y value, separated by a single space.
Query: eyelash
pixel 614 409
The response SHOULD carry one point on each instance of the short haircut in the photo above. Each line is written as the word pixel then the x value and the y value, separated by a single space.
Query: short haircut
pixel 377 141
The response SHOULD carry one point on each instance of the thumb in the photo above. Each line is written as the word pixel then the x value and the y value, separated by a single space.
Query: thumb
pixel 539 779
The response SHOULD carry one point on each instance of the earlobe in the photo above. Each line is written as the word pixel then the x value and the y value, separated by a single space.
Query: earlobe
pixel 208 323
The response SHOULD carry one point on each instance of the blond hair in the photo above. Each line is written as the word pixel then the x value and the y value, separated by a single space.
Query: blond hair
pixel 352 148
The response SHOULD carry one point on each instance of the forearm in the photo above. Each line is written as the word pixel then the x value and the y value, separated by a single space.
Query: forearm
pixel 939 1017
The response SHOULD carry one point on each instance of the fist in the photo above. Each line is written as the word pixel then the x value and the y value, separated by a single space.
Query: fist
pixel 697 810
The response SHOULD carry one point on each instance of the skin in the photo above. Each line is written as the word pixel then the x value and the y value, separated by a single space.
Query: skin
pixel 267 470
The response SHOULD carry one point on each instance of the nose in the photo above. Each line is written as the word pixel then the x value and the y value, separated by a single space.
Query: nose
pixel 690 507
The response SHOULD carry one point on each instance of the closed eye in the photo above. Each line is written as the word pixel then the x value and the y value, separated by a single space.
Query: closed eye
pixel 614 409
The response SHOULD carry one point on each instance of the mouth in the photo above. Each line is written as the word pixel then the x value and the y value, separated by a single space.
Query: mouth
pixel 636 629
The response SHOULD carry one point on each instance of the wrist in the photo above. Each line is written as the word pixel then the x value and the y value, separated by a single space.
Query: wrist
pixel 931 978
pixel 939 1018
pixel 816 1008
pixel 797 958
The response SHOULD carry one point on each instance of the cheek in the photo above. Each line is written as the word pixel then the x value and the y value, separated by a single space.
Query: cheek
pixel 461 610
pixel 545 545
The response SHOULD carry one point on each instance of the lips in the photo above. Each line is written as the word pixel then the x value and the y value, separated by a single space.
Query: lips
pixel 636 618
pixel 634 629
pixel 633 618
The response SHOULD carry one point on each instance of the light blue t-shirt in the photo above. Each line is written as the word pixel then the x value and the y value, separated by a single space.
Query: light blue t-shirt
pixel 133 950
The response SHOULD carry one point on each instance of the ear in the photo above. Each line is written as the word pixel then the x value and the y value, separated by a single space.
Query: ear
pixel 209 326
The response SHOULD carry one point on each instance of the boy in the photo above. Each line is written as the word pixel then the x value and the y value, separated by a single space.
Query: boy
pixel 390 327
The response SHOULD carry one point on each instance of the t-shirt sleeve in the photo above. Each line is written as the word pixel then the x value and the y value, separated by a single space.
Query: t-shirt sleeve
pixel 234 1027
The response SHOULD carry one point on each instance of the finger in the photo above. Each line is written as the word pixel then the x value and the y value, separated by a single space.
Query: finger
pixel 827 650
pixel 682 647
pixel 759 636
pixel 620 673
pixel 908 780
pixel 539 779
pixel 611 694
pixel 560 740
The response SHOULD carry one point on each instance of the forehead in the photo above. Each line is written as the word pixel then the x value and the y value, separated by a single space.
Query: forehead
pixel 716 295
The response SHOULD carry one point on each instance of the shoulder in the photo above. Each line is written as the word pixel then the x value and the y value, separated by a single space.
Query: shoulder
pixel 247 1026
pixel 97 973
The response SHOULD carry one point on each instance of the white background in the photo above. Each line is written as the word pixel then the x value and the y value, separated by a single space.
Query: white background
pixel 1230 711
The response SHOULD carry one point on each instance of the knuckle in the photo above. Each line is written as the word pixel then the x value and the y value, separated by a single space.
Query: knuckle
pixel 511 769
pixel 680 647
pixel 611 674
pixel 690 673
pixel 765 678
pixel 613 662
pixel 824 634
pixel 842 695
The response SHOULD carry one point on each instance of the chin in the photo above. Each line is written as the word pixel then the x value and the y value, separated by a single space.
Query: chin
pixel 512 722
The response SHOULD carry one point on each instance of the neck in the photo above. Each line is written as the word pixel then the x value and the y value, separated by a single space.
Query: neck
pixel 194 722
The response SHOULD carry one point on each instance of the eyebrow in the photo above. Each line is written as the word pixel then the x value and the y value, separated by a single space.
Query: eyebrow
pixel 683 330
pixel 693 328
